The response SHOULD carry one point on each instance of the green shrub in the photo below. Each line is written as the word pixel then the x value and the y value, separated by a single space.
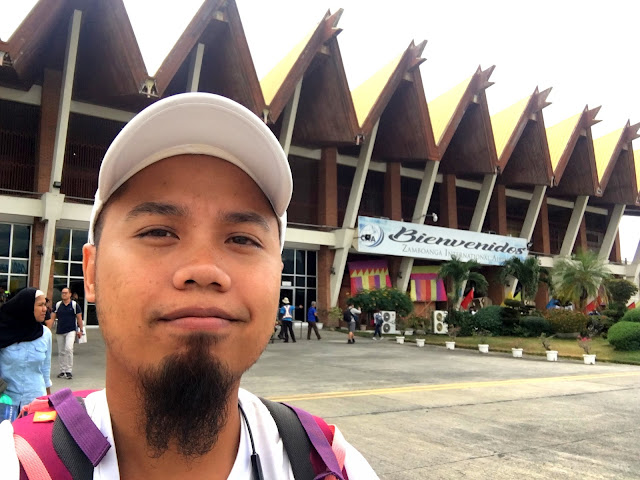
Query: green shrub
pixel 625 336
pixel 567 321
pixel 383 299
pixel 599 324
pixel 534 326
pixel 464 320
pixel 510 318
pixel 489 319
pixel 632 315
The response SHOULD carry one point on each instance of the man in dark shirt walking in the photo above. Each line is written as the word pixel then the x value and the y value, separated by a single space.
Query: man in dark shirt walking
pixel 69 316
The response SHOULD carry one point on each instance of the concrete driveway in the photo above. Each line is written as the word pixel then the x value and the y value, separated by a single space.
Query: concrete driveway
pixel 418 413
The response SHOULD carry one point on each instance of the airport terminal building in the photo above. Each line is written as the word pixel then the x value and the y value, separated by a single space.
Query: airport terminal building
pixel 386 184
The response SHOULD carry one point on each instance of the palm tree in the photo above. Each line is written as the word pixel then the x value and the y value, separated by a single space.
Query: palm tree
pixel 527 272
pixel 460 272
pixel 579 277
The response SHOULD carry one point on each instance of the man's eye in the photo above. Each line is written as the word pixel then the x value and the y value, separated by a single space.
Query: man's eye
pixel 242 240
pixel 157 232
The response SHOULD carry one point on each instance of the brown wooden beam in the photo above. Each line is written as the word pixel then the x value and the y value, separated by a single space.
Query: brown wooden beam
pixel 448 201
pixel 328 188
pixel 392 192
pixel 541 241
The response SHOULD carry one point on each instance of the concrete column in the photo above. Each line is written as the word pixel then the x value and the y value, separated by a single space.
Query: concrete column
pixel 195 67
pixel 289 119
pixel 345 236
pixel 541 242
pixel 612 231
pixel 393 192
pixel 498 210
pixel 52 207
pixel 327 215
pixel 577 217
pixel 533 211
pixel 616 253
pixel 581 241
pixel 448 202
pixel 65 97
pixel 419 214
pixel 484 198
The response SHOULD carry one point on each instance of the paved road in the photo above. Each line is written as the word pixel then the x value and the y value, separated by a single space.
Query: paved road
pixel 418 413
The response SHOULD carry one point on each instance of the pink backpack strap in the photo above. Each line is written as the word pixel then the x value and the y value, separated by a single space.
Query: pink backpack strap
pixel 30 462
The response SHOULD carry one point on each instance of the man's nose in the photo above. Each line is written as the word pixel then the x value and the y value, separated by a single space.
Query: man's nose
pixel 205 267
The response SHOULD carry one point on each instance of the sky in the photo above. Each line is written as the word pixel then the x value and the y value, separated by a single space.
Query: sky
pixel 584 50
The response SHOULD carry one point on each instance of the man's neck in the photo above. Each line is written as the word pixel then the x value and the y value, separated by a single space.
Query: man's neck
pixel 134 460
pixel 67 302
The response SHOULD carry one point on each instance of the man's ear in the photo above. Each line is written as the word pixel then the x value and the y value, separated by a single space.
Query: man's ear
pixel 89 269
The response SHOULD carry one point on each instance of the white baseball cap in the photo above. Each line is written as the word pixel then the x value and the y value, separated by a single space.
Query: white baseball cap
pixel 197 123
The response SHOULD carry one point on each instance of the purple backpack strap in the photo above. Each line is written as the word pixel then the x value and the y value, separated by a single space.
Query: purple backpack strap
pixel 319 442
pixel 80 426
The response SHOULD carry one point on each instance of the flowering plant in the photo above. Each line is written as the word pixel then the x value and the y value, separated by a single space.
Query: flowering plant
pixel 585 344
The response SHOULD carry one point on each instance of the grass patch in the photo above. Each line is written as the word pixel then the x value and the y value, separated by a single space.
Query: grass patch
pixel 567 348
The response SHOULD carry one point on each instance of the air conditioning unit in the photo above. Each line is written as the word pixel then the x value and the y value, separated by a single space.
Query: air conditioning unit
pixel 439 321
pixel 388 322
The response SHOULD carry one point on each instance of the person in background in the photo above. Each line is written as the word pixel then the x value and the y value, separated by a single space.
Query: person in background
pixel 378 320
pixel 287 311
pixel 69 315
pixel 47 317
pixel 355 315
pixel 312 319
pixel 25 347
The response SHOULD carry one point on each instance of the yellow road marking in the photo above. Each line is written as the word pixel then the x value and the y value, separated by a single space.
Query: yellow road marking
pixel 447 386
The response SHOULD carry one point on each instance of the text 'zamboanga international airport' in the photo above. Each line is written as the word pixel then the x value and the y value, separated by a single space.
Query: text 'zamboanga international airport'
pixel 388 186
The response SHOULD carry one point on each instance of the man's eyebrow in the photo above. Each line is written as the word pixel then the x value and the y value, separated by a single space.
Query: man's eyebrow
pixel 245 217
pixel 157 208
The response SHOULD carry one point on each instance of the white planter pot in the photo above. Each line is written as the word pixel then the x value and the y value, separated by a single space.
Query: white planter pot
pixel 400 340
pixel 408 332
pixel 552 355
pixel 589 358
pixel 517 352
pixel 420 342
pixel 450 345
pixel 319 325
pixel 483 347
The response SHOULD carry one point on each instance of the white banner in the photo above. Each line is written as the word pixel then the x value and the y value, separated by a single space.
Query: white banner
pixel 388 237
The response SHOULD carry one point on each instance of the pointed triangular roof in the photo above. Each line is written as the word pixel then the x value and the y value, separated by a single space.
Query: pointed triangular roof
pixel 325 115
pixel 404 132
pixel 521 141
pixel 572 155
pixel 616 166
pixel 462 127
pixel 279 84
pixel 106 39
pixel 227 67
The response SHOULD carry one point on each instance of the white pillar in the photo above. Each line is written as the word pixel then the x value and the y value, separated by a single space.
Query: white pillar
pixel 289 119
pixel 484 198
pixel 195 67
pixel 65 97
pixel 612 231
pixel 579 207
pixel 533 211
pixel 52 203
pixel 419 214
pixel 346 234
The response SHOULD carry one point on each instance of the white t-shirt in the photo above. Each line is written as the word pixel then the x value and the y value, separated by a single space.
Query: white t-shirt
pixel 274 460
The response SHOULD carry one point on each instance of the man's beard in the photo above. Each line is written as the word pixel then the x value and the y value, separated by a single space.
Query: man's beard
pixel 184 399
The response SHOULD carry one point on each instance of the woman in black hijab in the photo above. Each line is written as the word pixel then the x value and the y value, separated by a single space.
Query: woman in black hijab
pixel 25 347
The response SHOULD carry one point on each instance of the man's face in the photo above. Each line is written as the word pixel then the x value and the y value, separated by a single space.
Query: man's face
pixel 189 248
pixel 65 293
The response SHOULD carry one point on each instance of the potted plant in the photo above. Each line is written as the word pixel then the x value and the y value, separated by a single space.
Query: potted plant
pixel 516 350
pixel 483 346
pixel 420 342
pixel 400 339
pixel 452 331
pixel 585 344
pixel 552 355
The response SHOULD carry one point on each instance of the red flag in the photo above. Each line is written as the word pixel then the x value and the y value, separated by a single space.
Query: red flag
pixel 632 306
pixel 467 300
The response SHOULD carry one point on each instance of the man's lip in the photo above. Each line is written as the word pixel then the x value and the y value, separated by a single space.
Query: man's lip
pixel 196 312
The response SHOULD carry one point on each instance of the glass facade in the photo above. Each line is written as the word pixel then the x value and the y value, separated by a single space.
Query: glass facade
pixel 299 279
pixel 15 245
pixel 67 269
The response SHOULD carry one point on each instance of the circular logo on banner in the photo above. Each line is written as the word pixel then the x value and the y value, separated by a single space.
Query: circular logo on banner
pixel 371 235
